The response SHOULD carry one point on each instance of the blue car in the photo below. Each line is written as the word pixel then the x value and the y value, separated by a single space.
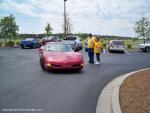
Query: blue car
pixel 30 42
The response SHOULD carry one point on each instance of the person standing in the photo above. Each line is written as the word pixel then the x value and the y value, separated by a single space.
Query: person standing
pixel 91 42
pixel 97 49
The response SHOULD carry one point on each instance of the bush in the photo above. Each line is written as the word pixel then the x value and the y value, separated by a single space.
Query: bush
pixel 104 45
pixel 129 46
pixel 1 43
pixel 17 42
pixel 10 43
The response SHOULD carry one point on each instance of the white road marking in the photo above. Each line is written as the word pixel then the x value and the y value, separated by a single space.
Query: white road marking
pixel 127 52
pixel 104 51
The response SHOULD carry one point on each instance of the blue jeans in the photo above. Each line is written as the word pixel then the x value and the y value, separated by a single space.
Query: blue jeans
pixel 91 55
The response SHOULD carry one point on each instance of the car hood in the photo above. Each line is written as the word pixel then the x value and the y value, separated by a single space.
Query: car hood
pixel 27 41
pixel 146 44
pixel 63 56
pixel 69 41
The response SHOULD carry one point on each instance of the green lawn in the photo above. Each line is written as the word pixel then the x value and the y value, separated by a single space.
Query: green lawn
pixel 128 41
pixel 15 40
pixel 106 41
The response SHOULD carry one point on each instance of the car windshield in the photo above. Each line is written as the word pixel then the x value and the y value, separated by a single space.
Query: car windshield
pixel 118 42
pixel 58 47
pixel 70 38
pixel 29 39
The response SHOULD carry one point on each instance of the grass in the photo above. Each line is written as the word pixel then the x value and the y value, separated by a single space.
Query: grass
pixel 133 42
pixel 128 41
pixel 14 40
pixel 106 41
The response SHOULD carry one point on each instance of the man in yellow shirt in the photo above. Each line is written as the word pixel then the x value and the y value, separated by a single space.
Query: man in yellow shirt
pixel 97 49
pixel 91 42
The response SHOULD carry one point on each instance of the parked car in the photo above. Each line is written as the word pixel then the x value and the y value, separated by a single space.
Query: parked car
pixel 49 39
pixel 74 41
pixel 116 45
pixel 145 47
pixel 86 44
pixel 60 56
pixel 30 42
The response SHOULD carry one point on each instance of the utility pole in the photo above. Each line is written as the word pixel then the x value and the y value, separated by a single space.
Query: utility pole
pixel 65 18
pixel 143 29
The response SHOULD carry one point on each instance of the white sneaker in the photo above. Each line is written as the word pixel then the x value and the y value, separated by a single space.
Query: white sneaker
pixel 97 63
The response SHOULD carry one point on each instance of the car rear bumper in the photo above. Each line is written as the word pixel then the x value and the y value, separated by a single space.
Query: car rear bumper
pixel 116 49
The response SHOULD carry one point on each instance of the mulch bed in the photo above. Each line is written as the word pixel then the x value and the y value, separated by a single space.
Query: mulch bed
pixel 135 93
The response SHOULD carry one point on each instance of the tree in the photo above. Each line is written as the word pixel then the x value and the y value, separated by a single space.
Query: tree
pixel 68 25
pixel 48 29
pixel 8 27
pixel 142 28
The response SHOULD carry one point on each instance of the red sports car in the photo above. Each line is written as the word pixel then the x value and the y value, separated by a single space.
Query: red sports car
pixel 57 55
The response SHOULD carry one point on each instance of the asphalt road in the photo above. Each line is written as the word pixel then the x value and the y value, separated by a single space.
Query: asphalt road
pixel 23 84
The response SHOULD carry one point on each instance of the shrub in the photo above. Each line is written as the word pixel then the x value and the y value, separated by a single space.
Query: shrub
pixel 129 46
pixel 104 45
pixel 17 42
pixel 10 43
pixel 1 43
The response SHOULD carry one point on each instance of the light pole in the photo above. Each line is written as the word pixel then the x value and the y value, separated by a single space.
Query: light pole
pixel 65 18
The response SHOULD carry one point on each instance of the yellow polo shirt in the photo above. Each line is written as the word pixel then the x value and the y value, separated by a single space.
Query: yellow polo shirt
pixel 91 42
pixel 97 47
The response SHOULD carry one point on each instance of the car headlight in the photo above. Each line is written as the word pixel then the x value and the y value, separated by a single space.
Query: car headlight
pixel 48 65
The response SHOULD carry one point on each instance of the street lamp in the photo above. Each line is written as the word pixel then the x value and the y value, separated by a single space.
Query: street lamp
pixel 65 18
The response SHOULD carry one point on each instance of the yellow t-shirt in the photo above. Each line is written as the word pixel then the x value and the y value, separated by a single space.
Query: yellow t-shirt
pixel 97 47
pixel 91 42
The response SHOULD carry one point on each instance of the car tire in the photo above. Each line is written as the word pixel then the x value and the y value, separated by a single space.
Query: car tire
pixel 22 47
pixel 123 52
pixel 31 46
pixel 110 50
pixel 42 65
pixel 147 49
pixel 86 49
pixel 81 47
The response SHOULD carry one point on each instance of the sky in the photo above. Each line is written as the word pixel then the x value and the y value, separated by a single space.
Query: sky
pixel 104 17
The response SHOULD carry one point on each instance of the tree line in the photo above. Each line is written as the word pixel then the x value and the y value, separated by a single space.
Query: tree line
pixel 9 29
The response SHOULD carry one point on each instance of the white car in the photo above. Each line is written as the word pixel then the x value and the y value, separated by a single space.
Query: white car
pixel 145 47
pixel 86 44
pixel 116 45
pixel 74 41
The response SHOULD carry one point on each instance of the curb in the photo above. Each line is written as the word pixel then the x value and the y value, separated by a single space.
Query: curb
pixel 108 101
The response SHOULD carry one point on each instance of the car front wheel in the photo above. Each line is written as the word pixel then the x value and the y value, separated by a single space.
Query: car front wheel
pixel 22 47
pixel 147 49
pixel 42 64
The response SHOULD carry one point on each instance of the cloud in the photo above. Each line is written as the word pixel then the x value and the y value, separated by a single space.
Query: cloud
pixel 109 17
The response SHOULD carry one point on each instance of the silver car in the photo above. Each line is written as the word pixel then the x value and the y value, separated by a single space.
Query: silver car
pixel 116 45
pixel 74 41
pixel 86 44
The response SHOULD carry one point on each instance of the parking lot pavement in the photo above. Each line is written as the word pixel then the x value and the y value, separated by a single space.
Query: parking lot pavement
pixel 23 84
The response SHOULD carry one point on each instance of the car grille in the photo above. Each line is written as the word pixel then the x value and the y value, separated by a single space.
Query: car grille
pixel 54 65
pixel 76 65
